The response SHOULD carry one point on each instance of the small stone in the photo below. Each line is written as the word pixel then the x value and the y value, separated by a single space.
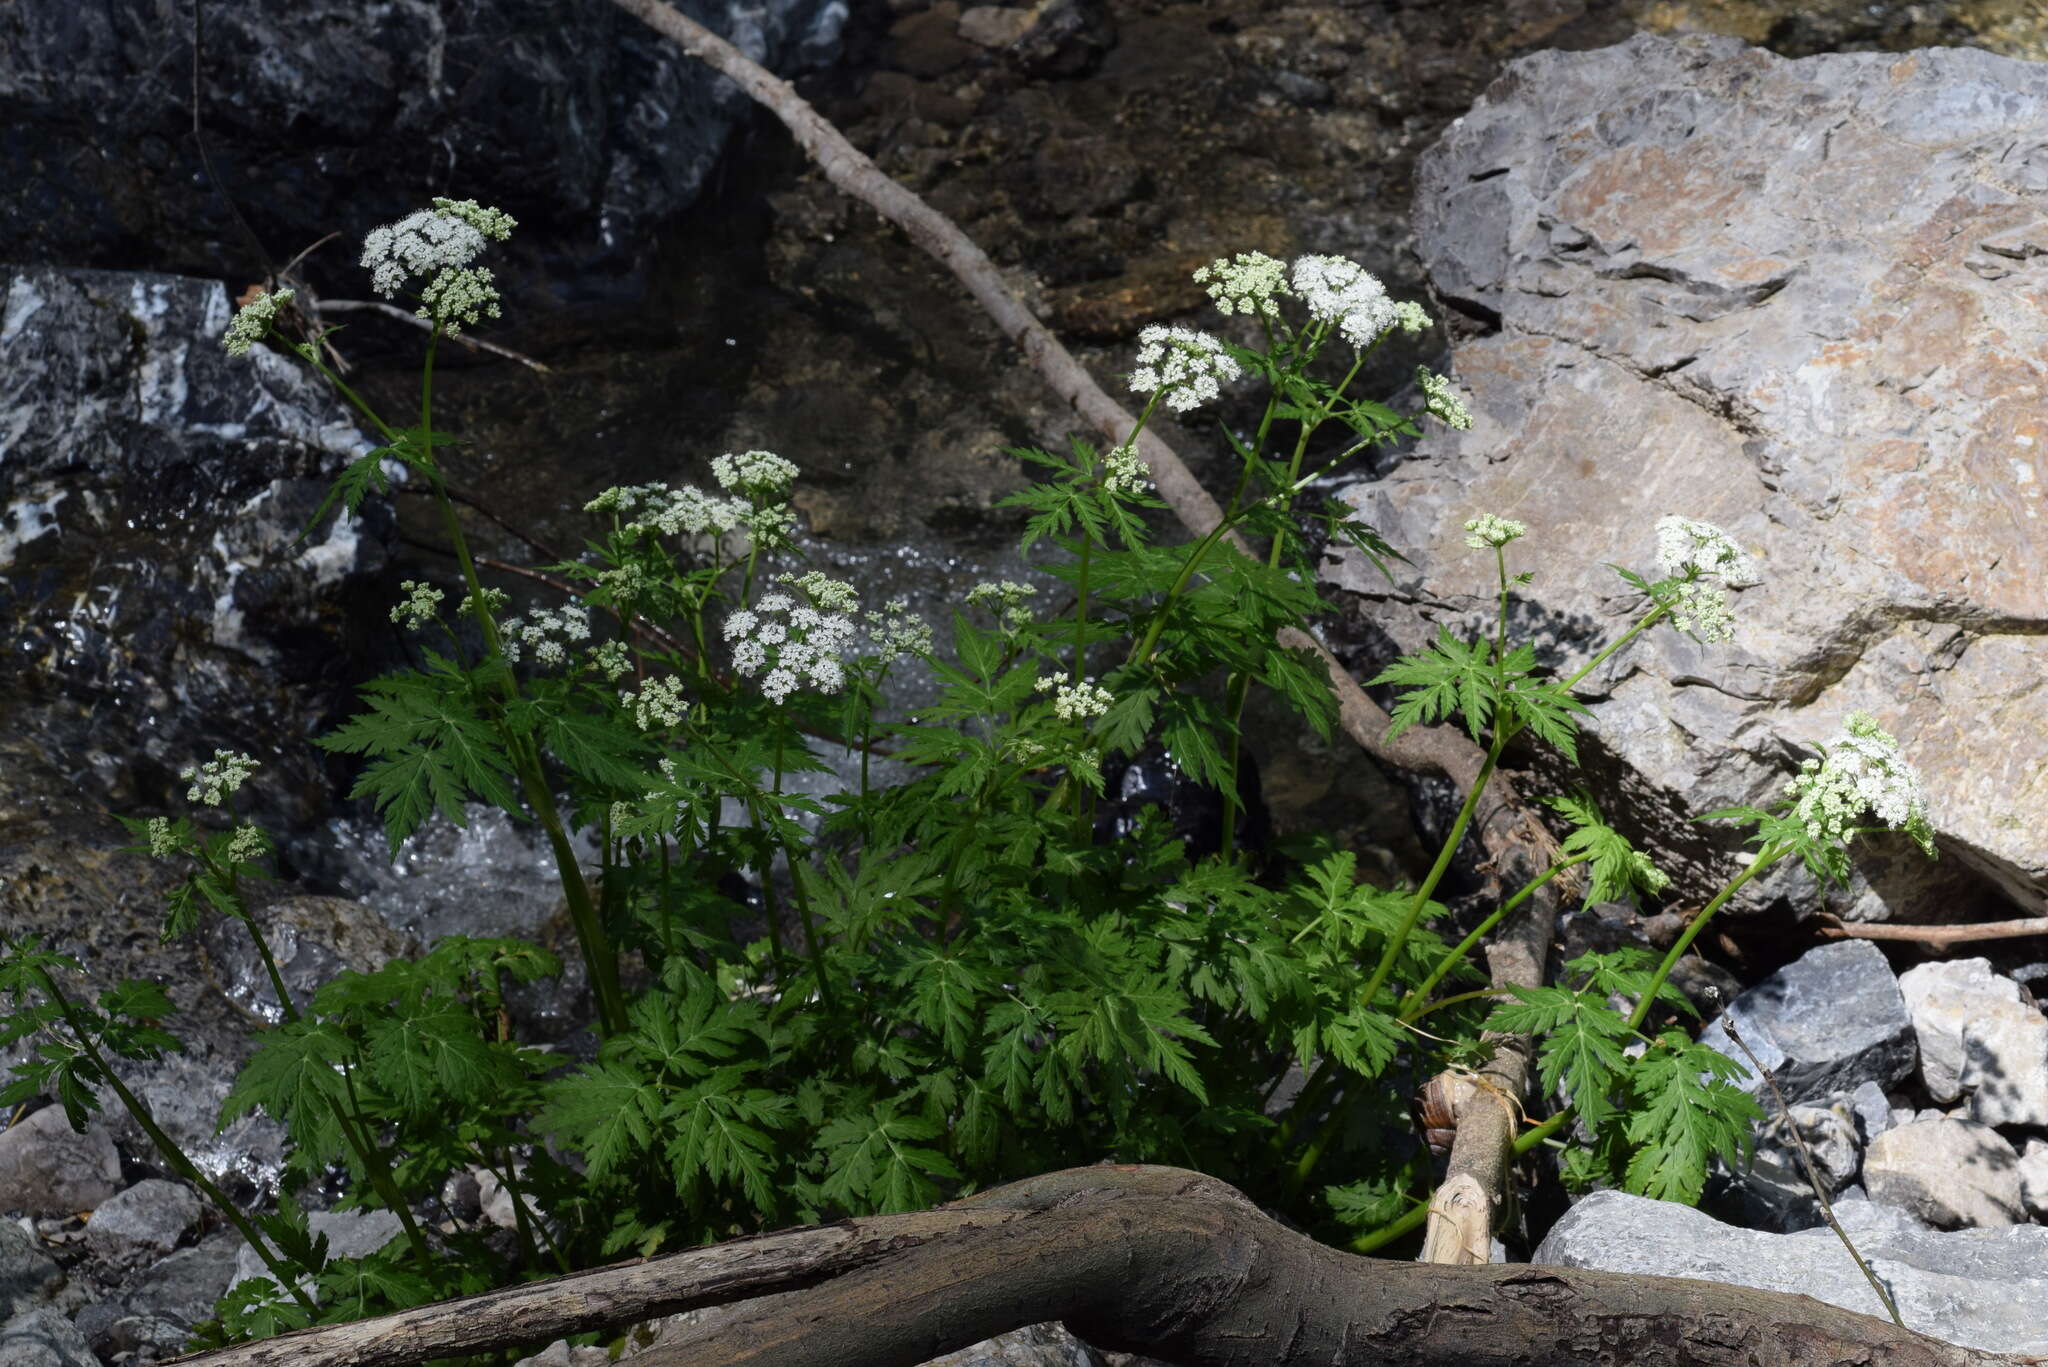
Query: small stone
pixel 1951 1173
pixel 47 1168
pixel 994 26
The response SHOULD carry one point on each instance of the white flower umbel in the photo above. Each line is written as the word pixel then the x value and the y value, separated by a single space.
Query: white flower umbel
pixel 1124 473
pixel 438 244
pixel 1340 291
pixel 1185 367
pixel 1441 400
pixel 547 634
pixel 795 644
pixel 1075 701
pixel 611 659
pixel 1005 600
pixel 1861 772
pixel 162 841
pixel 246 844
pixel 421 603
pixel 1410 317
pixel 760 475
pixel 1245 283
pixel 252 322
pixel 218 778
pixel 1487 530
pixel 659 702
pixel 1692 548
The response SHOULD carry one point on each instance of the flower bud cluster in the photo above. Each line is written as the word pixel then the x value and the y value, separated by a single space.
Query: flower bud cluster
pixel 162 840
pixel 897 632
pixel 795 642
pixel 1862 771
pixel 218 778
pixel 546 634
pixel 1245 283
pixel 1124 473
pixel 1005 600
pixel 422 601
pixel 659 702
pixel 1441 400
pixel 1184 365
pixel 494 601
pixel 253 321
pixel 611 659
pixel 246 844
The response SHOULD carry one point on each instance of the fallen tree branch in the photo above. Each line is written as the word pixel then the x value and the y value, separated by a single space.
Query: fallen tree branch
pixel 1516 838
pixel 408 316
pixel 1150 1260
pixel 1936 936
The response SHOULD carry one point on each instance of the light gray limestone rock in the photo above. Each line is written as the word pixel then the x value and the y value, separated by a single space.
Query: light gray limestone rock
pixel 1982 1038
pixel 1981 1287
pixel 1798 299
pixel 1949 1173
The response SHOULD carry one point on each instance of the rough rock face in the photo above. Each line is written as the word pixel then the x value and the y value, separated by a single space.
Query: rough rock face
pixel 325 115
pixel 1797 299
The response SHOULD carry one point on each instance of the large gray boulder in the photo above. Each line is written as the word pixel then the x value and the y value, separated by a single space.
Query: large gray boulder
pixel 1982 1287
pixel 1831 1020
pixel 1798 299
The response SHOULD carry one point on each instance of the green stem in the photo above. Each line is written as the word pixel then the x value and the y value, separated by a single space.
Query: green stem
pixel 172 1154
pixel 356 1134
pixel 1619 641
pixel 796 883
pixel 1406 1011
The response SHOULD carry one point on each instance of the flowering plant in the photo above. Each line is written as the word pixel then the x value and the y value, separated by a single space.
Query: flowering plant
pixel 970 975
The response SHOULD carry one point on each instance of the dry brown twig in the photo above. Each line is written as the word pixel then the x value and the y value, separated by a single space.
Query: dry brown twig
pixel 1514 833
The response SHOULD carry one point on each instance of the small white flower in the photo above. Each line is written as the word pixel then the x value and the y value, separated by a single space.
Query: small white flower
pixel 161 839
pixel 1125 474
pixel 1245 283
pixel 1862 771
pixel 760 475
pixel 1441 400
pixel 1343 292
pixel 1409 317
pixel 252 322
pixel 659 703
pixel 494 600
pixel 245 845
pixel 1185 365
pixel 218 778
pixel 1487 530
pixel 1692 548
pixel 422 602
pixel 897 632
pixel 792 640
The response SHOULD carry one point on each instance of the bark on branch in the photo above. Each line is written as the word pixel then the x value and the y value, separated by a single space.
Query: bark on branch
pixel 1149 1260
pixel 1518 843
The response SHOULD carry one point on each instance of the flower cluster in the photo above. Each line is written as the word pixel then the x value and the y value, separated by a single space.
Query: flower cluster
pixel 246 844
pixel 1487 530
pixel 1697 550
pixel 422 601
pixel 1340 291
pixel 439 243
pixel 1442 400
pixel 760 475
pixel 219 777
pixel 659 702
pixel 1005 600
pixel 1410 317
pixel 1124 474
pixel 253 321
pixel 162 840
pixel 1245 283
pixel 795 642
pixel 1075 702
pixel 610 658
pixel 1692 548
pixel 1184 365
pixel 546 633
pixel 1862 771
pixel 494 603
pixel 898 633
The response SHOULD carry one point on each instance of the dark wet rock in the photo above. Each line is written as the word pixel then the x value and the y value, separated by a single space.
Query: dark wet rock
pixel 184 1287
pixel 311 938
pixel 1829 1021
pixel 319 117
pixel 48 1168
pixel 1150 781
pixel 142 1223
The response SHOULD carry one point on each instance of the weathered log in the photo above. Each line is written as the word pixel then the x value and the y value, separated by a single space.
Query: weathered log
pixel 1151 1260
